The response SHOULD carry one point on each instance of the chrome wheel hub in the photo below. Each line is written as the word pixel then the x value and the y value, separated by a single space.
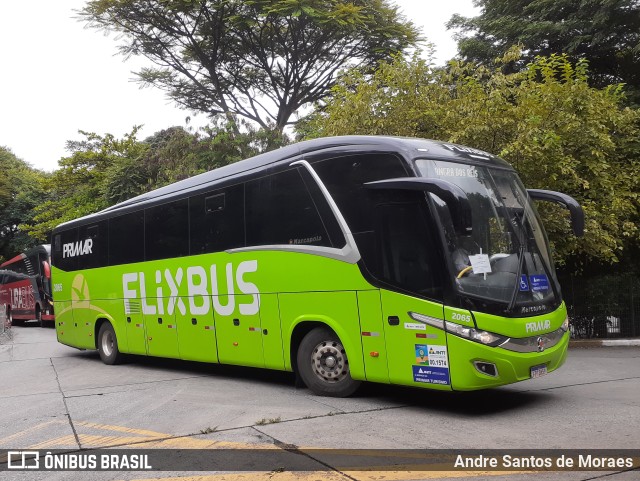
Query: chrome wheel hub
pixel 107 343
pixel 329 361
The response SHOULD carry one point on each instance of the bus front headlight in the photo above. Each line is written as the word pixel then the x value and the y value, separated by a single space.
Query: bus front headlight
pixel 483 337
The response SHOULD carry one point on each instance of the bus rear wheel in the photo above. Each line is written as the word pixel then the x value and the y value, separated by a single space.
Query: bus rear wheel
pixel 12 320
pixel 323 364
pixel 108 345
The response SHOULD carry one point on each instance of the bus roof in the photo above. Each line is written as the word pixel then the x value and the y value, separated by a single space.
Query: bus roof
pixel 411 147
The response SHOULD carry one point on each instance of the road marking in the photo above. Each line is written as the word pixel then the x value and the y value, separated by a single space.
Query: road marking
pixel 4 441
pixel 334 476
pixel 145 439
pixel 256 476
pixel 407 475
pixel 122 429
pixel 62 442
pixel 168 441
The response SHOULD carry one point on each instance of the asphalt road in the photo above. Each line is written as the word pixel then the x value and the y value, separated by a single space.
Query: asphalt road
pixel 56 397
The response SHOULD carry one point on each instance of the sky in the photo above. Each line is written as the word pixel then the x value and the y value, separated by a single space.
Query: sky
pixel 58 77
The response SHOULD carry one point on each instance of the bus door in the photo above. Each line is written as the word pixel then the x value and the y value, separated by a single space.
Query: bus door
pixel 271 332
pixel 239 330
pixel 416 350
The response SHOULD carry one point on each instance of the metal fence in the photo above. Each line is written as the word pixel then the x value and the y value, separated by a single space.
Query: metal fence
pixel 603 306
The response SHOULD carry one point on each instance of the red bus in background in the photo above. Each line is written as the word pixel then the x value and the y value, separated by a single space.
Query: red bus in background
pixel 25 286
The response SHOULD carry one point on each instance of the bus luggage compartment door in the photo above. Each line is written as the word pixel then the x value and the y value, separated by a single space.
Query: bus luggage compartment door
pixel 162 335
pixel 65 330
pixel 196 335
pixel 134 321
pixel 239 335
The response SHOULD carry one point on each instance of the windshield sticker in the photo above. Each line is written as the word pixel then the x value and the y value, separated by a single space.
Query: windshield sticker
pixel 415 326
pixel 456 172
pixel 480 264
pixel 524 283
pixel 539 282
pixel 431 355
pixel 430 375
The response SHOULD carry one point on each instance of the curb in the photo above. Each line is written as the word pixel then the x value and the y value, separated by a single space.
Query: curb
pixel 604 343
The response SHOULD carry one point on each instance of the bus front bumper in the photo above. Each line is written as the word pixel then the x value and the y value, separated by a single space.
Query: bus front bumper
pixel 472 358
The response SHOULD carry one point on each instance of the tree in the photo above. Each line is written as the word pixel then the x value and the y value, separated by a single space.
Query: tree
pixel 604 32
pixel 103 170
pixel 21 190
pixel 80 186
pixel 557 131
pixel 261 60
pixel 175 154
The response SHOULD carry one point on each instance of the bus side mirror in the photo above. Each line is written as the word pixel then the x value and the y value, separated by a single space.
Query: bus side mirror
pixel 455 198
pixel 575 209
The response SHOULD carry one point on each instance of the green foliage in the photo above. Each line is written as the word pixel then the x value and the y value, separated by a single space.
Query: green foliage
pixel 82 184
pixel 257 59
pixel 21 189
pixel 175 154
pixel 223 146
pixel 103 170
pixel 556 130
pixel 604 32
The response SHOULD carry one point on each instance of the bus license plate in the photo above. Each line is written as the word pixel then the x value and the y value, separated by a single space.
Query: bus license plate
pixel 538 371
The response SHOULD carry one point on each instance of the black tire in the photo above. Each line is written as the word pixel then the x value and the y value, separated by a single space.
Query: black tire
pixel 12 321
pixel 39 317
pixel 108 345
pixel 323 364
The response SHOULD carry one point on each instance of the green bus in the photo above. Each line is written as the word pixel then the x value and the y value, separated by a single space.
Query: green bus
pixel 343 259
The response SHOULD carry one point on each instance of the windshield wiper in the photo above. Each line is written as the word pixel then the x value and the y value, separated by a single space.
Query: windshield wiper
pixel 516 289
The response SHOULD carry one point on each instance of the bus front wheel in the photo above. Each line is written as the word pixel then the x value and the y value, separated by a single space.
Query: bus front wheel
pixel 323 364
pixel 108 345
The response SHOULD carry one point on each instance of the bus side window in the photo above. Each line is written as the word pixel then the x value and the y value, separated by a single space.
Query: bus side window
pixel 126 238
pixel 407 248
pixel 166 230
pixel 64 258
pixel 216 220
pixel 93 242
pixel 328 218
pixel 280 210
pixel 345 177
pixel 214 204
pixel 56 248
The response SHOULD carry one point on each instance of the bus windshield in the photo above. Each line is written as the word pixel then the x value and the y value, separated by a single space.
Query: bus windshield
pixel 505 258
